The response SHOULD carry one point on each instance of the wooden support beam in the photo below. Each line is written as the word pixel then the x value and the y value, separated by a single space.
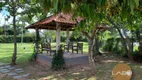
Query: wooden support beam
pixel 37 41
pixel 67 37
pixel 58 29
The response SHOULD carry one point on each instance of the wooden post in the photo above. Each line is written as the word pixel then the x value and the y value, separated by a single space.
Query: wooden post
pixel 37 41
pixel 58 29
pixel 68 34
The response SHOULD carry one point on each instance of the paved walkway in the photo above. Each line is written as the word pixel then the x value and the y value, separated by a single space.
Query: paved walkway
pixel 14 72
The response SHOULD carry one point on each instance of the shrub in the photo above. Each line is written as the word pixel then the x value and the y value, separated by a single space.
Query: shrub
pixel 109 45
pixel 58 60
pixel 33 57
pixel 114 45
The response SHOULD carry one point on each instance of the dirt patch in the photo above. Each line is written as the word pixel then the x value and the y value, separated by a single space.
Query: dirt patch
pixel 5 77
pixel 44 72
pixel 2 75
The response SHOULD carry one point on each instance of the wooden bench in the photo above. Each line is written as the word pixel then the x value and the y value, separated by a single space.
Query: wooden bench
pixel 46 47
pixel 68 46
pixel 74 46
pixel 77 48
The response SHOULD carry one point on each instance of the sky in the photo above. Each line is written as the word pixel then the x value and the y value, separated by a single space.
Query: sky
pixel 3 14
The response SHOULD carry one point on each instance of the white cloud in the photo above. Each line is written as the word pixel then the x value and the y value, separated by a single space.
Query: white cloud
pixel 2 21
pixel 3 14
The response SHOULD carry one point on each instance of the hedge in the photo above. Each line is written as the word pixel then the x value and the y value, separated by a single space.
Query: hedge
pixel 29 39
pixel 10 39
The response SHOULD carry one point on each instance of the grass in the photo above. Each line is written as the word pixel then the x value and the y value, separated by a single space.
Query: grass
pixel 6 51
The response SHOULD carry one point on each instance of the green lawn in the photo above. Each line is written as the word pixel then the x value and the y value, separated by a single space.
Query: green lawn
pixel 6 51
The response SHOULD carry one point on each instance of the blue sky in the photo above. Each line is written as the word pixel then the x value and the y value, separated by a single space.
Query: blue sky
pixel 4 11
pixel 3 14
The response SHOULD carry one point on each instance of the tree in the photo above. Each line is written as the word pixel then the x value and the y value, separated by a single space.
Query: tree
pixel 123 21
pixel 14 25
pixel 139 37
pixel 49 35
pixel 12 6
pixel 125 40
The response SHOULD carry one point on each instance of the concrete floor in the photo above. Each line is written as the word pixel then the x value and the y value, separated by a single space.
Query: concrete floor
pixel 66 54
pixel 71 59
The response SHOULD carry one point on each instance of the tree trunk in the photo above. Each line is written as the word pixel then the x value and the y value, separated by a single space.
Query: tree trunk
pixel 91 57
pixel 90 51
pixel 15 42
pixel 129 46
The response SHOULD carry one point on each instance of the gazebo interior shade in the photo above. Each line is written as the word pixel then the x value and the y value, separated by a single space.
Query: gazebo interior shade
pixel 64 20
